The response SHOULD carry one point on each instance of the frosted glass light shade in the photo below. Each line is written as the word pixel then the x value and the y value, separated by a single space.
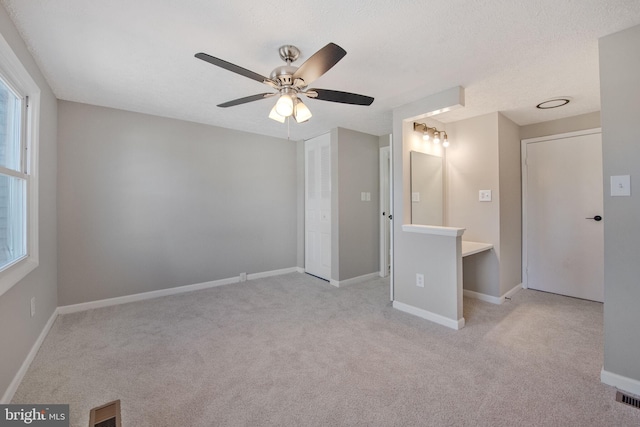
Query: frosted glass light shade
pixel 284 106
pixel 302 113
pixel 275 116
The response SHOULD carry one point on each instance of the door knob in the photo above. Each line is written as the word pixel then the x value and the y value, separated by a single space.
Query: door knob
pixel 596 218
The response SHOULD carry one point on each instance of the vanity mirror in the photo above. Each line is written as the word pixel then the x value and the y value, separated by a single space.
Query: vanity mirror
pixel 426 189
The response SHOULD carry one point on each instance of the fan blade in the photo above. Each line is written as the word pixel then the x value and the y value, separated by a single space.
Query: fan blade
pixel 246 99
pixel 235 69
pixel 338 96
pixel 319 63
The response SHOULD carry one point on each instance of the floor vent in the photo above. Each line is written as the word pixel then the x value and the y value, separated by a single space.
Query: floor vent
pixel 628 400
pixel 107 415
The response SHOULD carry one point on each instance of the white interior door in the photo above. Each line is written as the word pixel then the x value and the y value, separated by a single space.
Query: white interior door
pixel 562 180
pixel 318 206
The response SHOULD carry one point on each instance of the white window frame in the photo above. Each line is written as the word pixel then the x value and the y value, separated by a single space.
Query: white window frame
pixel 21 81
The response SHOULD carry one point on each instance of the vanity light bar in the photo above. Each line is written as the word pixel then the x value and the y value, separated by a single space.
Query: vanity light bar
pixel 431 132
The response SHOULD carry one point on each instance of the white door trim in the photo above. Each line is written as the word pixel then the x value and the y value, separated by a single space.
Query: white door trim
pixel 385 210
pixel 317 212
pixel 523 153
pixel 391 281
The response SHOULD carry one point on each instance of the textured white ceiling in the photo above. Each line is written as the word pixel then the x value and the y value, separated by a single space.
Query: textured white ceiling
pixel 137 55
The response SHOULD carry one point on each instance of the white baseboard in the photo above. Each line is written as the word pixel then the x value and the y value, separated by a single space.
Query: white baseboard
pixel 482 297
pixel 271 273
pixel 629 385
pixel 166 292
pixel 300 270
pixel 490 298
pixel 66 309
pixel 17 379
pixel 513 291
pixel 363 278
pixel 433 317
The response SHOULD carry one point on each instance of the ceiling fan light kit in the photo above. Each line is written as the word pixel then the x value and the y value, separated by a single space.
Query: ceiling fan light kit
pixel 290 81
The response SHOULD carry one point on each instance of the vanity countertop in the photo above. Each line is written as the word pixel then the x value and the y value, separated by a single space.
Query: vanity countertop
pixel 470 248
pixel 433 229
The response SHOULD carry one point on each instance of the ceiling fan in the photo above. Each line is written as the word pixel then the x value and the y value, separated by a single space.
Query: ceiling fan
pixel 290 81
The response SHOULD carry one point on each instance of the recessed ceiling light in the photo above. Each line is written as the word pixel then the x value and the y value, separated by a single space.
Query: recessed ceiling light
pixel 554 103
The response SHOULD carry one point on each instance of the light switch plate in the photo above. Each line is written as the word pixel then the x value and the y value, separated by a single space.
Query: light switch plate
pixel 484 195
pixel 621 185
pixel 415 197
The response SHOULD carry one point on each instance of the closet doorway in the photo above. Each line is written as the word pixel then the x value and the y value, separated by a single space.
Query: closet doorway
pixel 317 225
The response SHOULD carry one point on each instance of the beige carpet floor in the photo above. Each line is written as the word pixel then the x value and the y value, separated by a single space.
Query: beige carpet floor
pixel 294 351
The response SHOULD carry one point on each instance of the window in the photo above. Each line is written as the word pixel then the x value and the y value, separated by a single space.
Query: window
pixel 19 106
pixel 13 177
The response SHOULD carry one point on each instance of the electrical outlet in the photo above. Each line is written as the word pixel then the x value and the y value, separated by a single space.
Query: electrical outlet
pixel 33 306
pixel 420 280
pixel 484 195
pixel 243 277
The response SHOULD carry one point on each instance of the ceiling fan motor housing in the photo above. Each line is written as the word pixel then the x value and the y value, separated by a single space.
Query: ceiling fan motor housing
pixel 284 74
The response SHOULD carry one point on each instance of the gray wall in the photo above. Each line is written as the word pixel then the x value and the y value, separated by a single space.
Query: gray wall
pixel 384 140
pixel 510 204
pixel 485 155
pixel 436 257
pixel 568 124
pixel 19 331
pixel 473 164
pixel 148 203
pixel 620 95
pixel 358 221
pixel 300 201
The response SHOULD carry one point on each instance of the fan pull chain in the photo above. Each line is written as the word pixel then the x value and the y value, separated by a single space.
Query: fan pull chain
pixel 288 130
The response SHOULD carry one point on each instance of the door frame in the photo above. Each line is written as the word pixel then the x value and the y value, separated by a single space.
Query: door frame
pixel 306 203
pixel 386 153
pixel 385 210
pixel 523 165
